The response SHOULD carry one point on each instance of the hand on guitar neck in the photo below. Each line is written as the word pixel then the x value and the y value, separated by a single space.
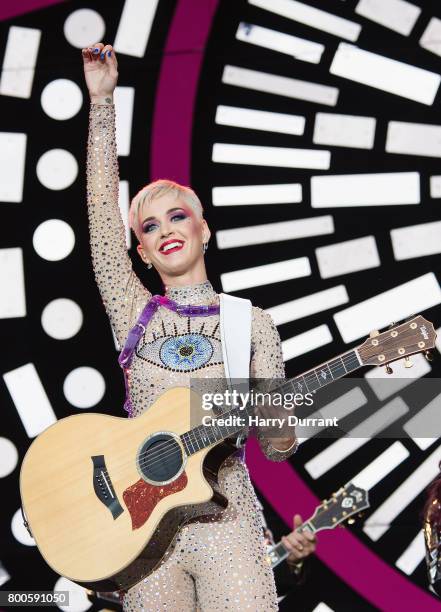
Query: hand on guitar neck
pixel 299 544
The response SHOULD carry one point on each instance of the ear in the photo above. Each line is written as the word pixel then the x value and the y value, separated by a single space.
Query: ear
pixel 205 231
pixel 142 254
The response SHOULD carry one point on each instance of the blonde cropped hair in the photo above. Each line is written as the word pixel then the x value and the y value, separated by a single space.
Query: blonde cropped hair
pixel 156 190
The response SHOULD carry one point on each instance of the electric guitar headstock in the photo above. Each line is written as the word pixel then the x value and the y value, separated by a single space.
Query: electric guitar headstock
pixel 342 505
pixel 416 335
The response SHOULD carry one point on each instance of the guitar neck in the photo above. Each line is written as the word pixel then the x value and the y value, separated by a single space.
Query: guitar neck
pixel 279 553
pixel 201 436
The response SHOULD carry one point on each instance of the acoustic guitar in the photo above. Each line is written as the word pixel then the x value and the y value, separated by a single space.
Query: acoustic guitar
pixel 105 496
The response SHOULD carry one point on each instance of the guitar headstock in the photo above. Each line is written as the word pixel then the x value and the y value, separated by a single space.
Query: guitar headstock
pixel 347 501
pixel 414 336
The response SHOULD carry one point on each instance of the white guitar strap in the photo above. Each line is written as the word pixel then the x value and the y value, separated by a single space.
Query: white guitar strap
pixel 235 331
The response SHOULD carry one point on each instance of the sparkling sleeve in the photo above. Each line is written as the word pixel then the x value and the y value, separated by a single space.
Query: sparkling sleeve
pixel 122 292
pixel 267 362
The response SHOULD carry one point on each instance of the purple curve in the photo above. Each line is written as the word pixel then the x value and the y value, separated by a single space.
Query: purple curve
pixel 13 8
pixel 341 551
pixel 176 93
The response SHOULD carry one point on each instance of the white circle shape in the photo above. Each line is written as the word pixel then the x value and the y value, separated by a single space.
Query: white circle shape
pixel 84 28
pixel 78 601
pixel 19 531
pixel 9 457
pixel 84 387
pixel 57 169
pixel 61 99
pixel 61 319
pixel 53 239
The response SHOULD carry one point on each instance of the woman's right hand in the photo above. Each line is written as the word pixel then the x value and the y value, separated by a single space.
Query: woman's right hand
pixel 100 71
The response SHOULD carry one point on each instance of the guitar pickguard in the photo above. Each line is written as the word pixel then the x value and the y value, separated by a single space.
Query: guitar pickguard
pixel 142 497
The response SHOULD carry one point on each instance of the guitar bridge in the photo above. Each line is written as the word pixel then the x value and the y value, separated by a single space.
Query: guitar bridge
pixel 103 487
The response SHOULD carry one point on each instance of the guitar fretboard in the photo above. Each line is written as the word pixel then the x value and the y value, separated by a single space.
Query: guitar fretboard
pixel 202 436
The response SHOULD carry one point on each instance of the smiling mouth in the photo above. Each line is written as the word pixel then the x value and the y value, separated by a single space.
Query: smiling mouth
pixel 171 247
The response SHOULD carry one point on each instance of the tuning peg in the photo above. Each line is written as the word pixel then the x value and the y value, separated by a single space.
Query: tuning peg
pixel 388 369
pixel 428 355
pixel 374 333
pixel 351 521
pixel 360 514
pixel 408 363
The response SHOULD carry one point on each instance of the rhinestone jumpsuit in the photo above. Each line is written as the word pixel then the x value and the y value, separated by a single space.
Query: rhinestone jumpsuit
pixel 218 563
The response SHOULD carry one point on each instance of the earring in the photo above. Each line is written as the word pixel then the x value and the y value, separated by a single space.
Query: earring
pixel 204 247
pixel 149 265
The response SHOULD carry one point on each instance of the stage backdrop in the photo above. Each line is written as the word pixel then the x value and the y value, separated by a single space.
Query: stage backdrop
pixel 311 131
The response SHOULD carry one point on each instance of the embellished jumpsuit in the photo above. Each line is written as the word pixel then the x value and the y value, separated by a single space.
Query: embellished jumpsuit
pixel 217 564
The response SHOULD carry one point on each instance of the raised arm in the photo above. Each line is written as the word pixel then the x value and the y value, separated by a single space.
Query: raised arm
pixel 122 292
pixel 267 362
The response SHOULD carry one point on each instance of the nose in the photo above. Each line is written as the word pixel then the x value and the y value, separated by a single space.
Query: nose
pixel 166 230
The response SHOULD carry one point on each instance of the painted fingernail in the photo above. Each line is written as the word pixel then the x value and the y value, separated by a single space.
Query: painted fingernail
pixel 96 51
pixel 102 56
pixel 109 53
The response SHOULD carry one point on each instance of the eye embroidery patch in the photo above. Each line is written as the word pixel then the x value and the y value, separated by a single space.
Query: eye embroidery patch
pixel 183 353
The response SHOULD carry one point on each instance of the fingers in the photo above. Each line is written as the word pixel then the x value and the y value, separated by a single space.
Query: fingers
pixel 297 521
pixel 300 545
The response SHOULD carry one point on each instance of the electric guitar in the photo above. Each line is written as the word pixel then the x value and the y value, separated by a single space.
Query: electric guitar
pixel 341 506
pixel 105 496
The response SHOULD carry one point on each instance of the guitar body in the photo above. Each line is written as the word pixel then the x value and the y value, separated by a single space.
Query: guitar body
pixel 105 496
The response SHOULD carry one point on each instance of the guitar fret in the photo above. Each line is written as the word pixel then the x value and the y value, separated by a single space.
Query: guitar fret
pixel 201 436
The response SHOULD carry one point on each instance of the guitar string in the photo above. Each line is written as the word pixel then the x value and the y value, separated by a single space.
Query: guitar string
pixel 159 455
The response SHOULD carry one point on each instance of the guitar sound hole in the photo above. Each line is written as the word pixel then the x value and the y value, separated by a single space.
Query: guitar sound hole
pixel 160 458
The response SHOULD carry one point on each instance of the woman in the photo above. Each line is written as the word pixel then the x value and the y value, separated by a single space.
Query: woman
pixel 218 563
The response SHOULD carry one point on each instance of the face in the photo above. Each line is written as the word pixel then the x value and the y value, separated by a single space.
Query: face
pixel 171 235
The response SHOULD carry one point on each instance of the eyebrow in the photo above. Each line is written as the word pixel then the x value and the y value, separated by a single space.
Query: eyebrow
pixel 169 211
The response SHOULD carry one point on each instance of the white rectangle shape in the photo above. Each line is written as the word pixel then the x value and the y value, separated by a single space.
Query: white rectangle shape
pixel 393 305
pixel 339 408
pixel 12 295
pixel 431 38
pixel 30 399
pixel 438 339
pixel 425 421
pixel 435 186
pixel 396 15
pixel 124 99
pixel 379 522
pixel 266 274
pixel 274 232
pixel 282 157
pixel 342 448
pixel 309 304
pixel 134 27
pixel 283 193
pixel 416 240
pixel 124 205
pixel 385 385
pixel 260 120
pixel 413 138
pixel 380 467
pixel 379 189
pixel 279 85
pixel 306 342
pixel 386 74
pixel 414 554
pixel 310 16
pixel 12 166
pixel 19 62
pixel 348 256
pixel 299 48
pixel 344 130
